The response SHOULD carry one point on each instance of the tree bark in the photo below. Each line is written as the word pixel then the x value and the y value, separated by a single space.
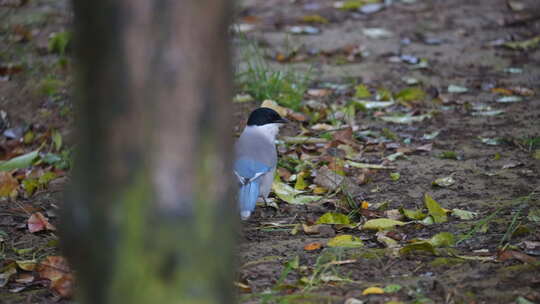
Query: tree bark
pixel 149 217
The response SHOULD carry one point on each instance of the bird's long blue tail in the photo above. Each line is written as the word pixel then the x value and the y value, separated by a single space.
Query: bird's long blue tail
pixel 247 198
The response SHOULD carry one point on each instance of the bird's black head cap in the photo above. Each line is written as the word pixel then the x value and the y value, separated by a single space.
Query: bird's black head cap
pixel 263 116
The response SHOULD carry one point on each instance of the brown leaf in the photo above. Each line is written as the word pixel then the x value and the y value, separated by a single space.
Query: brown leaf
pixel 8 185
pixel 297 116
pixel 56 269
pixel 513 254
pixel 25 278
pixel 319 92
pixel 426 147
pixel 523 91
pixel 38 222
pixel 284 173
pixel 311 229
pixel 313 246
pixel 344 136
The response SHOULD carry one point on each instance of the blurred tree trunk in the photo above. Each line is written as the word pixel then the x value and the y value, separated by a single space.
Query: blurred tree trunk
pixel 149 217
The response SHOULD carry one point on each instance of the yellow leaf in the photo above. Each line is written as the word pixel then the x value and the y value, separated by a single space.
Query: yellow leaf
pixel 381 224
pixel 372 290
pixel 345 240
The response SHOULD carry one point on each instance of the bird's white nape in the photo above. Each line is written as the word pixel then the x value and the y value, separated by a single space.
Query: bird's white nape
pixel 269 131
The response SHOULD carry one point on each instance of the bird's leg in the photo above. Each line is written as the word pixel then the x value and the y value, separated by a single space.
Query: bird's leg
pixel 265 202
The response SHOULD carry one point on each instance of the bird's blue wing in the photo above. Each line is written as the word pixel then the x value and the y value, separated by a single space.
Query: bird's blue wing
pixel 249 172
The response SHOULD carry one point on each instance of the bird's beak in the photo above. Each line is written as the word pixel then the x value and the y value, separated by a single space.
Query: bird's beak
pixel 283 121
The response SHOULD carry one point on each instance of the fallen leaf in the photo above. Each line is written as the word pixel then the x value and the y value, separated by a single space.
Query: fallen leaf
pixel 370 105
pixel 457 89
pixel 523 91
pixel 386 240
pixel 27 265
pixel 377 33
pixel 442 239
pixel 446 181
pixel 361 91
pixel 421 246
pixel 513 254
pixel 5 276
pixel 38 222
pixel 413 214
pixel 19 162
pixel 313 246
pixel 524 44
pixel 345 241
pixel 381 224
pixel 311 229
pixel 319 92
pixel 464 214
pixel 405 119
pixel 373 290
pixel 8 185
pixel 509 99
pixel 333 218
pixel 411 94
pixel 25 278
pixel 303 29
pixel 282 111
pixel 392 288
pixel 435 210
pixel 56 269
pixel 291 195
pixel 314 19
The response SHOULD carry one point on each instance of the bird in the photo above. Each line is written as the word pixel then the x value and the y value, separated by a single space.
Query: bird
pixel 256 158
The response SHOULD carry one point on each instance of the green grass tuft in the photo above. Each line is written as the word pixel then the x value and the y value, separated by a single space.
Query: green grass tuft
pixel 260 80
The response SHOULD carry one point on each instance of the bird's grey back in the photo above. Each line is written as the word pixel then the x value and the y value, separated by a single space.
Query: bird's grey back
pixel 257 147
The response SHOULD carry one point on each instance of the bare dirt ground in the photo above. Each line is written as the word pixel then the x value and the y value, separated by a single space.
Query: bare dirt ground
pixel 478 87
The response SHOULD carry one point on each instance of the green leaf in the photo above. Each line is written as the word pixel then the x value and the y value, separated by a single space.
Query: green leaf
pixel 395 176
pixel 448 155
pixel 57 140
pixel 346 240
pixel 46 178
pixel 411 94
pixel 443 239
pixel 435 210
pixel 30 185
pixel 301 184
pixel 334 218
pixel 51 158
pixel 392 288
pixel 421 246
pixel 290 195
pixel 19 162
pixel 413 214
pixel 464 214
pixel 446 181
pixel 29 137
pixel 361 91
pixel 384 95
pixel 523 45
pixel 382 224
